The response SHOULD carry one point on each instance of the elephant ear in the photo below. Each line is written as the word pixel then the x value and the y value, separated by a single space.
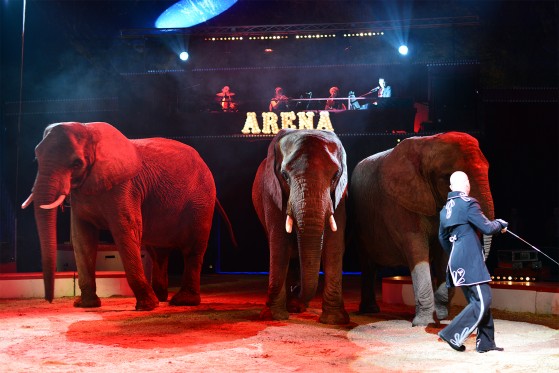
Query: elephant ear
pixel 404 179
pixel 273 168
pixel 115 158
pixel 341 187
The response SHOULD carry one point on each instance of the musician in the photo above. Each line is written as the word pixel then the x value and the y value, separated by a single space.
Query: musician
pixel 382 90
pixel 279 102
pixel 334 104
pixel 353 103
pixel 225 99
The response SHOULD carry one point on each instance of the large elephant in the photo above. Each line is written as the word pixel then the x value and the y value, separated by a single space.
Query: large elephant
pixel 396 196
pixel 299 194
pixel 156 192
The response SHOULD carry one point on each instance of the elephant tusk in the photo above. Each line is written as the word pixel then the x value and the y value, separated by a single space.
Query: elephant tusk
pixel 333 225
pixel 55 204
pixel 289 224
pixel 27 202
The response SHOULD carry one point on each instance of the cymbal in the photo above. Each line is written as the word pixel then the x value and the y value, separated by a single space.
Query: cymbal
pixel 221 94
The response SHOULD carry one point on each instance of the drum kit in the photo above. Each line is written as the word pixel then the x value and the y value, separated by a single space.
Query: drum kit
pixel 226 101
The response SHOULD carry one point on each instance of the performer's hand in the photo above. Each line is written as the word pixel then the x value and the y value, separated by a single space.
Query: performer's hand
pixel 504 225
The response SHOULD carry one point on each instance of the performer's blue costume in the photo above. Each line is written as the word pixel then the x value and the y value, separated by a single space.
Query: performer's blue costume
pixel 460 219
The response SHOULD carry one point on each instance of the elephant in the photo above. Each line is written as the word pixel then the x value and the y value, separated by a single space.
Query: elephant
pixel 299 194
pixel 395 199
pixel 154 192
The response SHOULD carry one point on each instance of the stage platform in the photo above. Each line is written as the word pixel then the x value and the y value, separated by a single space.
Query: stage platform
pixel 533 297
pixel 30 285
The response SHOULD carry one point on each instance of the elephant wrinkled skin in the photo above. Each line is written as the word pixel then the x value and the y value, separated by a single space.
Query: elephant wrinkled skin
pixel 299 194
pixel 156 192
pixel 396 196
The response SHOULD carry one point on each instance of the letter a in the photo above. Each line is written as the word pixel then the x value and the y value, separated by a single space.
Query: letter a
pixel 251 125
pixel 324 122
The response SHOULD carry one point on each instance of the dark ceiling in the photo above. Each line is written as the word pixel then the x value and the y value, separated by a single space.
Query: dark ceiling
pixel 516 41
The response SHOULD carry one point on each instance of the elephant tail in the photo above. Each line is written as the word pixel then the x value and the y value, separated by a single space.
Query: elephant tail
pixel 227 222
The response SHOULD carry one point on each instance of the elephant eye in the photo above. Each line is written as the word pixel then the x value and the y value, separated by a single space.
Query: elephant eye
pixel 336 176
pixel 77 164
pixel 285 175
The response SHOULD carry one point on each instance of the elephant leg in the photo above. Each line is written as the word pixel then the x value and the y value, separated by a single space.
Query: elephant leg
pixel 129 248
pixel 333 310
pixel 293 288
pixel 368 283
pixel 189 293
pixel 443 295
pixel 159 275
pixel 275 308
pixel 85 239
pixel 442 300
pixel 423 291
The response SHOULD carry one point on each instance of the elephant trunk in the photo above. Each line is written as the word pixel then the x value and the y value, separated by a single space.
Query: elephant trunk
pixel 46 227
pixel 311 213
pixel 310 254
pixel 46 198
pixel 482 192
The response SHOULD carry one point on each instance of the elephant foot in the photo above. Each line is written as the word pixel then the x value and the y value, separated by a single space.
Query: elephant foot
pixel 423 319
pixel 294 305
pixel 369 308
pixel 185 299
pixel 273 314
pixel 147 304
pixel 334 317
pixel 87 302
pixel 441 310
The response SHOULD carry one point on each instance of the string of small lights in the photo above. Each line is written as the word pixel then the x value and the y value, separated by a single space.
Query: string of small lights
pixel 514 278
pixel 295 36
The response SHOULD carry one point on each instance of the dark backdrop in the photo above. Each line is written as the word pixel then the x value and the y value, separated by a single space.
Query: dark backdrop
pixel 87 61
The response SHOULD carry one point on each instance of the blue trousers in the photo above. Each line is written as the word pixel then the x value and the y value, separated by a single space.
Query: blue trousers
pixel 476 314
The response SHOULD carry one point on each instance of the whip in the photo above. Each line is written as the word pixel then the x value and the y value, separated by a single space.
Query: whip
pixel 533 247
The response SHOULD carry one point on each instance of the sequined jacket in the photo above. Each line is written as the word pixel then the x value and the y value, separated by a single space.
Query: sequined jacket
pixel 460 219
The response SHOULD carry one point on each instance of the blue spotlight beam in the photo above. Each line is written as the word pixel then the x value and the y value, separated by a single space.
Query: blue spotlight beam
pixel 187 13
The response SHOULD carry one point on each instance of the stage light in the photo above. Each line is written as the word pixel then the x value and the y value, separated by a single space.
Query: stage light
pixel 183 56
pixel 403 50
pixel 187 13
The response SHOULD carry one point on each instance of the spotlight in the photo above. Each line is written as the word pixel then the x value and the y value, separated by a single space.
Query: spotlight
pixel 186 13
pixel 183 56
pixel 403 50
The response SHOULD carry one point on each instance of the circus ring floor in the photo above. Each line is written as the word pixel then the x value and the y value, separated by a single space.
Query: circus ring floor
pixel 225 334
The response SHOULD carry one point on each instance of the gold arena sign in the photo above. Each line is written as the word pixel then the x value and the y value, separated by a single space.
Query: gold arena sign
pixel 270 122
